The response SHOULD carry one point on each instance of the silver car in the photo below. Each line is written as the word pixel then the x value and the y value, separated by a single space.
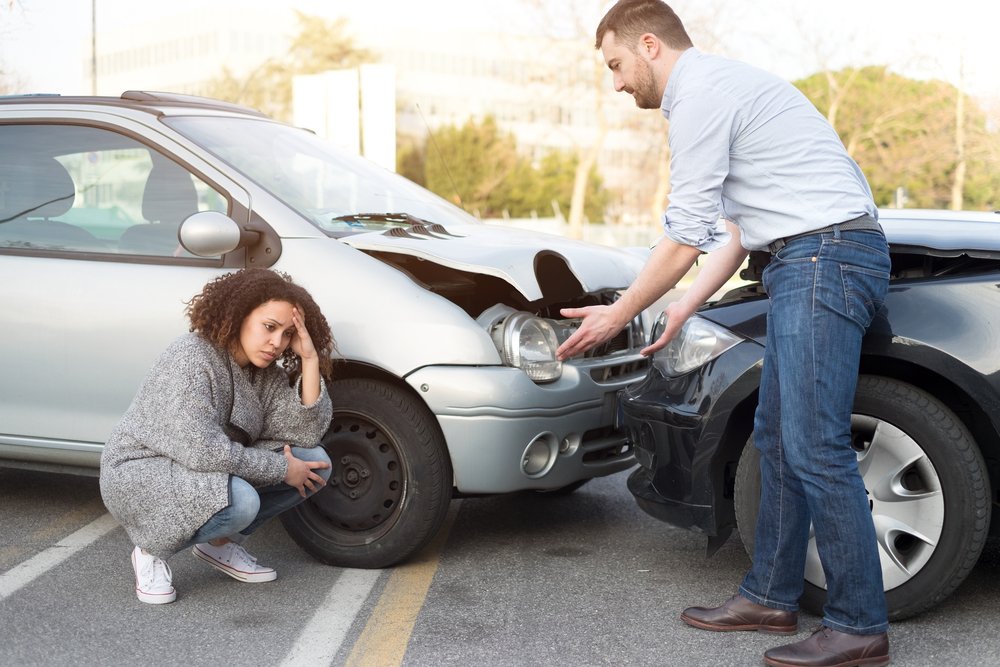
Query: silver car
pixel 115 211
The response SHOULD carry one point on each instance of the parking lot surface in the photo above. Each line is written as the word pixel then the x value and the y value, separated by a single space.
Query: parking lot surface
pixel 524 579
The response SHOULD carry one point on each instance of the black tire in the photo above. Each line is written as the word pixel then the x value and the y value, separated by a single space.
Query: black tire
pixel 951 463
pixel 391 483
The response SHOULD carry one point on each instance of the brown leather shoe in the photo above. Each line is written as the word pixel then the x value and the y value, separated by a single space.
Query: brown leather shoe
pixel 831 648
pixel 738 613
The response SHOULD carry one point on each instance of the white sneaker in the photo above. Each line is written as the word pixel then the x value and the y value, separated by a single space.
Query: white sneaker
pixel 234 560
pixel 152 579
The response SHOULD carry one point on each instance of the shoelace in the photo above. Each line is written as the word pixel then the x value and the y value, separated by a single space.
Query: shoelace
pixel 239 553
pixel 158 573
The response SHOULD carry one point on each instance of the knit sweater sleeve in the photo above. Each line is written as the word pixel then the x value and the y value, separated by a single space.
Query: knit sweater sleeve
pixel 182 412
pixel 286 419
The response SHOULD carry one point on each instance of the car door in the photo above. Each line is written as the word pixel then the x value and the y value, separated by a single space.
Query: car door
pixel 94 282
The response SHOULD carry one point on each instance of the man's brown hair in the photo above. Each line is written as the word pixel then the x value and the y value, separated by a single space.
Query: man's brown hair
pixel 631 19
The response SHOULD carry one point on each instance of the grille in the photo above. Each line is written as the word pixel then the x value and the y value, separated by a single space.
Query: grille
pixel 615 359
pixel 620 343
pixel 619 353
pixel 612 373
pixel 605 444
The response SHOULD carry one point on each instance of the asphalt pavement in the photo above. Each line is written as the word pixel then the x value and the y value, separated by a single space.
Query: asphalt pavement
pixel 523 579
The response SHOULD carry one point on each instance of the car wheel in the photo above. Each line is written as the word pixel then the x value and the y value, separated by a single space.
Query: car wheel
pixel 927 486
pixel 391 482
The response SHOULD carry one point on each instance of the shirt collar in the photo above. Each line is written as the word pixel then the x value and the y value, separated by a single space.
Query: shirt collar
pixel 675 74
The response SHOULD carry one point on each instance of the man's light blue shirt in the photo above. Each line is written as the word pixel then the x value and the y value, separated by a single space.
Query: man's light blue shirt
pixel 747 146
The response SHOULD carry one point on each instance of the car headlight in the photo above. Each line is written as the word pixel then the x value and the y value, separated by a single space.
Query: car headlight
pixel 529 343
pixel 698 342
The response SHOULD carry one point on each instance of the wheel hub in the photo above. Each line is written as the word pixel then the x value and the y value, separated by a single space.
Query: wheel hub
pixel 367 482
pixel 354 476
pixel 904 496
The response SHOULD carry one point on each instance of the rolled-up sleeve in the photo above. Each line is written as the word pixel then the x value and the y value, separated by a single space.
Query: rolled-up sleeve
pixel 702 124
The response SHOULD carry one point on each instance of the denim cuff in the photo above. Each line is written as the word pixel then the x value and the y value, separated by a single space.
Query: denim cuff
pixel 876 629
pixel 773 604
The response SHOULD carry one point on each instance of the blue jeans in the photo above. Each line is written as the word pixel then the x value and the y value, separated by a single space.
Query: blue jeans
pixel 251 506
pixel 824 291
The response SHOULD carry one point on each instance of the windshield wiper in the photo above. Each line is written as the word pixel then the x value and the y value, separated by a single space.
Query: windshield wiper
pixel 407 225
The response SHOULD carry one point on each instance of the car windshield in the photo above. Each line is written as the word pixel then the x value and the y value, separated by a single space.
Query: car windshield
pixel 337 192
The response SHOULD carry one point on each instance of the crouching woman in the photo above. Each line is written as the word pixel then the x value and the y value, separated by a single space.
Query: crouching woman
pixel 219 438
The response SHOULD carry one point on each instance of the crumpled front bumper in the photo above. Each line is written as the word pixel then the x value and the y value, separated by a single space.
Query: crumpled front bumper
pixel 688 433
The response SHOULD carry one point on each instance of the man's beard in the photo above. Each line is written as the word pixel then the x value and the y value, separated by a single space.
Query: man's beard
pixel 644 90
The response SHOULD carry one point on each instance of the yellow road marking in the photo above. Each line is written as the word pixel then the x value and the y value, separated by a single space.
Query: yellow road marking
pixel 384 640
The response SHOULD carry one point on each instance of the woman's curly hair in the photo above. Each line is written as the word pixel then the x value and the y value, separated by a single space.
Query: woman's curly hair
pixel 217 313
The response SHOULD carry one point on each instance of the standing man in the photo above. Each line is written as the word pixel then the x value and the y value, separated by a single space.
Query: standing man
pixel 749 148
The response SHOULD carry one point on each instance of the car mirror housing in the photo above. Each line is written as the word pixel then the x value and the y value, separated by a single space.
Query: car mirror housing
pixel 210 234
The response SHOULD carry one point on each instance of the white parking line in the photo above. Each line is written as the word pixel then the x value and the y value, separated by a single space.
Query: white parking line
pixel 323 635
pixel 21 575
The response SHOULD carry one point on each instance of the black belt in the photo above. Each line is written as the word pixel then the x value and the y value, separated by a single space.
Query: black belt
pixel 861 223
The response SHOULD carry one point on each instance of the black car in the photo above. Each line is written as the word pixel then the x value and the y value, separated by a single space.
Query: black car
pixel 926 420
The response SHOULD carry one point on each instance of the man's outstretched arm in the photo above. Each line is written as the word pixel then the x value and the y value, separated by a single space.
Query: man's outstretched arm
pixel 666 265
pixel 720 267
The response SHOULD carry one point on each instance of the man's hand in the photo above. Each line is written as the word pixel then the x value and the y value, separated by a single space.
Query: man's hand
pixel 667 263
pixel 677 314
pixel 599 323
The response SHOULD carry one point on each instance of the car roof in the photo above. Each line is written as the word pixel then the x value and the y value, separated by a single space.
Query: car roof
pixel 950 232
pixel 141 100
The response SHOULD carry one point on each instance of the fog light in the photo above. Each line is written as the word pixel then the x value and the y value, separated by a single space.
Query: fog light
pixel 539 455
pixel 570 444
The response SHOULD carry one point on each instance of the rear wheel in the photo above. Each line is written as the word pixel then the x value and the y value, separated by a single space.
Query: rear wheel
pixel 928 489
pixel 391 483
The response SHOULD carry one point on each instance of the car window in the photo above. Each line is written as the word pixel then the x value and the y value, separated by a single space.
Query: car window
pixel 337 192
pixel 72 188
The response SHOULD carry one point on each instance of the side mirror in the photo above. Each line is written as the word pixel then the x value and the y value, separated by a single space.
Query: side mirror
pixel 210 234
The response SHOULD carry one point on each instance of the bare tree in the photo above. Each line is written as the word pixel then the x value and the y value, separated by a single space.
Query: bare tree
pixel 571 25
pixel 319 45
pixel 587 156
pixel 568 24
pixel 958 180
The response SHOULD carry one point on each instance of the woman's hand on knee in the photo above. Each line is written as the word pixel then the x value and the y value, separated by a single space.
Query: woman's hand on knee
pixel 300 473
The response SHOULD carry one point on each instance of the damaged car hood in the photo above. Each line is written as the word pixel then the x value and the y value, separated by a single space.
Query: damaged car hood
pixel 508 253
pixel 945 233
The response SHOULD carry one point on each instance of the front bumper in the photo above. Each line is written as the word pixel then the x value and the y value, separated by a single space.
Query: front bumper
pixel 490 415
pixel 688 432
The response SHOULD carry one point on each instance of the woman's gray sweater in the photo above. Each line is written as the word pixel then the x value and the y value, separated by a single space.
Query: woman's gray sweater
pixel 165 468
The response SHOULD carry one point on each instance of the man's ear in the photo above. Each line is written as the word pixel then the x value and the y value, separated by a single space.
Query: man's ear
pixel 649 45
